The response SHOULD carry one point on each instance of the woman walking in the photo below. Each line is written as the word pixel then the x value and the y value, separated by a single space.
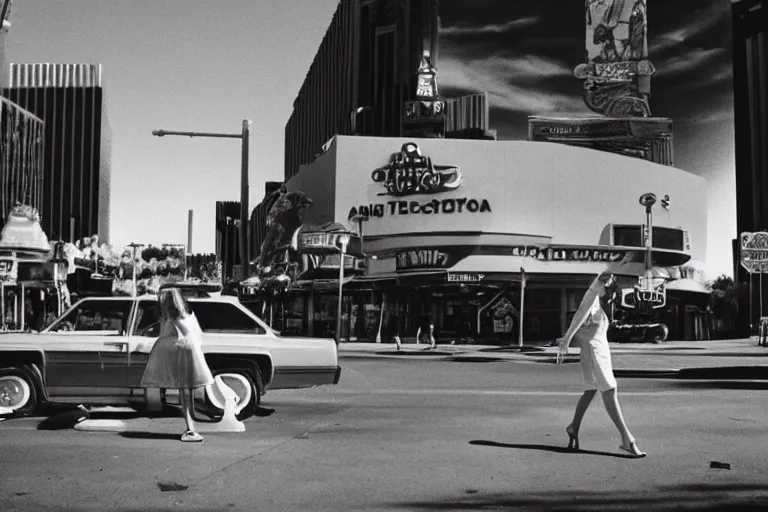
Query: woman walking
pixel 590 329
pixel 176 360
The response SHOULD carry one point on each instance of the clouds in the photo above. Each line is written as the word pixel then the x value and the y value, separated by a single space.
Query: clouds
pixel 703 20
pixel 692 60
pixel 455 30
pixel 512 83
pixel 522 53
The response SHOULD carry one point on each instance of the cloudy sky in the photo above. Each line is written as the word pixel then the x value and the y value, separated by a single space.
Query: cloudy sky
pixel 199 65
pixel 522 53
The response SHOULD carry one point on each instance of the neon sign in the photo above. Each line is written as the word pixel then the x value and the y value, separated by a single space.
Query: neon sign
pixel 631 298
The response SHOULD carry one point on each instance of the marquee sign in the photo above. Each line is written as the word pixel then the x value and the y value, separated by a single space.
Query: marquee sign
pixel 327 242
pixel 320 241
pixel 420 259
pixel 631 297
pixel 754 252
pixel 409 172
pixel 436 206
pixel 568 254
pixel 465 277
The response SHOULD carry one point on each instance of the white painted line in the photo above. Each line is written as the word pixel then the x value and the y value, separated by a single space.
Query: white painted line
pixel 484 392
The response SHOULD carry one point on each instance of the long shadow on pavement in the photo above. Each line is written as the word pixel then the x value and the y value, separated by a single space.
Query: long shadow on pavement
pixel 547 448
pixel 705 497
pixel 150 435
pixel 719 384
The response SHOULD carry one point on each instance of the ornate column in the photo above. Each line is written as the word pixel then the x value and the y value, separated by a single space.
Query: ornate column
pixel 617 74
pixel 425 116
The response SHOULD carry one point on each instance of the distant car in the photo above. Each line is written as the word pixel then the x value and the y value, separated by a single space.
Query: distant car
pixel 96 352
pixel 637 333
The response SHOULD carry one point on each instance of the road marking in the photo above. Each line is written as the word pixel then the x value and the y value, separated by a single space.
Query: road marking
pixel 453 392
pixel 509 393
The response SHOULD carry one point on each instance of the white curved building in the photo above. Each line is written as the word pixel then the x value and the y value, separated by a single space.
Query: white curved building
pixel 449 225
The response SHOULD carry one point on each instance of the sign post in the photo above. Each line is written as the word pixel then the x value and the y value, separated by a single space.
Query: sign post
pixel 754 258
pixel 522 302
pixel 343 241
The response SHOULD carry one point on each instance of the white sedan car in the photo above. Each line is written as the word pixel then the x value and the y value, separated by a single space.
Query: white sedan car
pixel 96 352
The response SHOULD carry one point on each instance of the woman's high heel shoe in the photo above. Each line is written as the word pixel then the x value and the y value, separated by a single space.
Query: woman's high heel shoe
pixel 633 450
pixel 573 441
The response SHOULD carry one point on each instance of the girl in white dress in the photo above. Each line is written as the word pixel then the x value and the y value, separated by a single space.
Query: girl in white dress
pixel 176 360
pixel 590 329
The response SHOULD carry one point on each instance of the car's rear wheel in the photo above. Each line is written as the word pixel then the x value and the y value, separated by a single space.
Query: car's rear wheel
pixel 247 385
pixel 17 391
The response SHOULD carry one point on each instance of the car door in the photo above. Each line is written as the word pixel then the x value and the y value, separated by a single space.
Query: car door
pixel 298 363
pixel 86 350
pixel 146 329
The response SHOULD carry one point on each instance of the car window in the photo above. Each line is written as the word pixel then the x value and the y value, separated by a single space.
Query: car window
pixel 96 315
pixel 221 317
pixel 148 319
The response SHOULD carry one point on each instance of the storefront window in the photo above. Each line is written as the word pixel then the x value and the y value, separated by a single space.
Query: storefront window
pixel 293 312
pixel 542 314
pixel 572 301
pixel 324 319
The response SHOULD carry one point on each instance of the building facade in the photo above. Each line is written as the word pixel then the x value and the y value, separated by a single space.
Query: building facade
pixel 365 72
pixel 70 99
pixel 21 144
pixel 21 158
pixel 750 74
pixel 638 137
pixel 480 217
pixel 227 238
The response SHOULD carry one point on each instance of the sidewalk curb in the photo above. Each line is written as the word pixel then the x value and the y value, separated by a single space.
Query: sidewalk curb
pixel 647 374
pixel 754 372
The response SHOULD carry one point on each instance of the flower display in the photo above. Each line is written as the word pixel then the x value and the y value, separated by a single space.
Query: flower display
pixel 153 266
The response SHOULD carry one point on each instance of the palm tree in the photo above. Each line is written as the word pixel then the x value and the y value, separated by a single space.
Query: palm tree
pixel 724 301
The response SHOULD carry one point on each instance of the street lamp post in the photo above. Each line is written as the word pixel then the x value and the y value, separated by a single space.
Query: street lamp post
pixel 648 200
pixel 245 258
pixel 343 242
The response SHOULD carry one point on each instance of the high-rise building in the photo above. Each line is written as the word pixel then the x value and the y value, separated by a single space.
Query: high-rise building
pixel 750 66
pixel 374 75
pixel 21 144
pixel 70 99
pixel 5 10
pixel 227 240
pixel 750 87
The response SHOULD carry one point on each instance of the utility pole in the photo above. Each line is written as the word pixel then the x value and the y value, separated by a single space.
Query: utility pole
pixel 245 253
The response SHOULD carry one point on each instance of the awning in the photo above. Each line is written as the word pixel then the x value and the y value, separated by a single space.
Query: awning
pixel 498 264
pixel 329 284
pixel 688 292
pixel 687 285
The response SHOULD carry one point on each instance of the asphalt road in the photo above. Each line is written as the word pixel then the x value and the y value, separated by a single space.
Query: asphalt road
pixel 413 434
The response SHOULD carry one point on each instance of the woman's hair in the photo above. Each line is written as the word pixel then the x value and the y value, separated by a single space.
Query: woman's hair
pixel 172 304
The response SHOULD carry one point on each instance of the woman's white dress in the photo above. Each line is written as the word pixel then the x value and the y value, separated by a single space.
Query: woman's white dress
pixel 592 337
pixel 177 360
